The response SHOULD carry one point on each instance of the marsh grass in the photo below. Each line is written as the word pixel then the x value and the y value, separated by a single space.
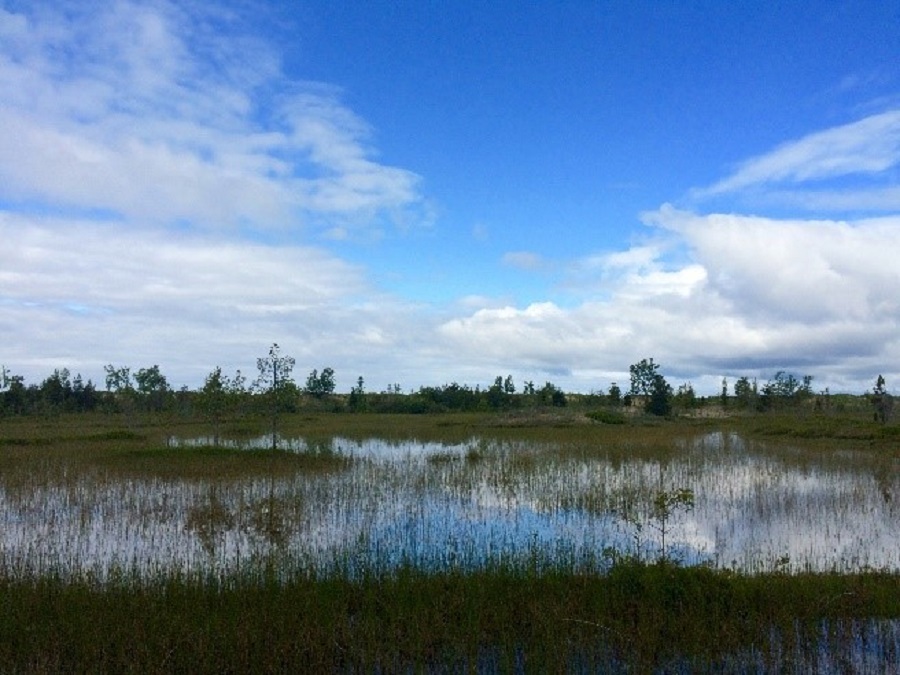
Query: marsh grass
pixel 88 443
pixel 848 429
pixel 204 460
pixel 490 486
pixel 639 617
pixel 381 600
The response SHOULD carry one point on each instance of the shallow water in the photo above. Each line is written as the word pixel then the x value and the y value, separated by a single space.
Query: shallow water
pixel 471 504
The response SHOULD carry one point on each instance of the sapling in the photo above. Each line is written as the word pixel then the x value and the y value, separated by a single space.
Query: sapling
pixel 665 504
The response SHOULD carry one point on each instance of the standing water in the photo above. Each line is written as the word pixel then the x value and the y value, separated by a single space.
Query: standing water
pixel 466 505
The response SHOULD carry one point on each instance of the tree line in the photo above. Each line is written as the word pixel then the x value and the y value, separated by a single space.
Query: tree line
pixel 274 390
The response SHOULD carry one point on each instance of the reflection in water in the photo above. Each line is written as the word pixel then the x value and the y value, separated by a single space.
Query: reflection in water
pixel 467 504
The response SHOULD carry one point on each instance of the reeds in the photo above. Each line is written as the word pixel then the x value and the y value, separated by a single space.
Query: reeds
pixel 639 617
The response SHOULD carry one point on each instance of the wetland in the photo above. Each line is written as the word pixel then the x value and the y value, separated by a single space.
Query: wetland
pixel 460 535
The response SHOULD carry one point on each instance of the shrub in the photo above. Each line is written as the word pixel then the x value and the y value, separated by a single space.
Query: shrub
pixel 607 417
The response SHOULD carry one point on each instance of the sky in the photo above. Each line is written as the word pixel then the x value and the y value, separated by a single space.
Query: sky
pixel 421 192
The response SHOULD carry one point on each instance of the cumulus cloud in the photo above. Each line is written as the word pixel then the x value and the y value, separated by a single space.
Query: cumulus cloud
pixel 803 270
pixel 754 295
pixel 718 294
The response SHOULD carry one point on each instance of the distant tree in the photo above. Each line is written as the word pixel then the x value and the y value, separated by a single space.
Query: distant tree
pixel 882 401
pixel 496 395
pixel 212 399
pixel 615 394
pixel 117 379
pixel 553 395
pixel 326 381
pixel 312 383
pixel 724 396
pixel 648 383
pixel 120 391
pixel 782 385
pixel 153 387
pixel 745 392
pixel 357 399
pixel 320 384
pixel 84 395
pixel 509 386
pixel 4 387
pixel 219 397
pixel 453 396
pixel 685 398
pixel 805 390
pixel 660 400
pixel 17 395
pixel 274 380
pixel 56 391
pixel 785 388
pixel 643 375
pixel 13 393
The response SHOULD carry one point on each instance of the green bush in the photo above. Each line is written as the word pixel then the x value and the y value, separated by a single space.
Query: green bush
pixel 607 417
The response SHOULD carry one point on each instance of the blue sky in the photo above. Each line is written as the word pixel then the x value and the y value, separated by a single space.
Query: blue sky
pixel 425 192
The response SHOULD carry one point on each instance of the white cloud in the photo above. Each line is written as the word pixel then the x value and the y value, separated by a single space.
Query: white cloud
pixel 146 119
pixel 81 294
pixel 868 146
pixel 795 270
pixel 136 109
pixel 148 148
pixel 524 260
pixel 754 295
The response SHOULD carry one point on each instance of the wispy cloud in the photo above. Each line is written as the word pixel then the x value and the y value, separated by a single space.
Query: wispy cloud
pixel 524 260
pixel 140 109
pixel 841 200
pixel 868 146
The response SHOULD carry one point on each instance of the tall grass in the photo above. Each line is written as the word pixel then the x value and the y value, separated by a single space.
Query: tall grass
pixel 639 617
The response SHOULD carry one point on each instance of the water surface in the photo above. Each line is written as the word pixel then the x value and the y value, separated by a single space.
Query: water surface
pixel 471 504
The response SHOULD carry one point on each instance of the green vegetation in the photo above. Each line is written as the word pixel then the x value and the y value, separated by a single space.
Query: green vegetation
pixel 147 394
pixel 607 416
pixel 638 617
pixel 538 609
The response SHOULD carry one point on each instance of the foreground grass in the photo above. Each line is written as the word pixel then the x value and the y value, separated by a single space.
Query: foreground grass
pixel 640 617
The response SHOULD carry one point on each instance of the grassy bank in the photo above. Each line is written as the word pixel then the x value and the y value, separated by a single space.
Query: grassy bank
pixel 639 616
